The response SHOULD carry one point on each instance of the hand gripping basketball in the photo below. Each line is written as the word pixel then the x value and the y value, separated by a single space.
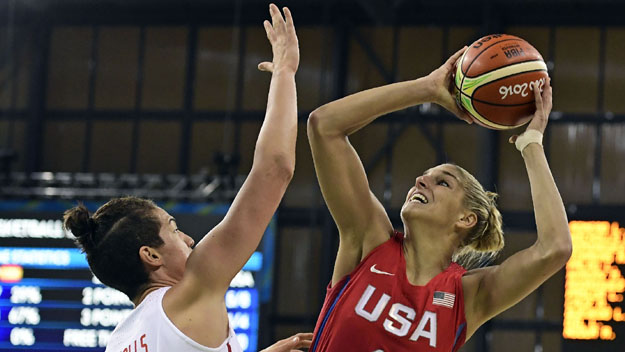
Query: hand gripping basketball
pixel 536 128
pixel 442 82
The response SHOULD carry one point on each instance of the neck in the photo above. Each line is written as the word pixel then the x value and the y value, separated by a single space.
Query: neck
pixel 149 288
pixel 427 253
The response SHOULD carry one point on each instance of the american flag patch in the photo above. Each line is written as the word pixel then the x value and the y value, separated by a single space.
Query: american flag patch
pixel 444 299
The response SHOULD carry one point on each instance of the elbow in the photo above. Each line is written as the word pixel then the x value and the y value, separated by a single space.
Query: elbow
pixel 277 172
pixel 567 251
pixel 560 252
pixel 317 124
pixel 565 247
pixel 288 173
pixel 283 168
pixel 275 165
pixel 312 125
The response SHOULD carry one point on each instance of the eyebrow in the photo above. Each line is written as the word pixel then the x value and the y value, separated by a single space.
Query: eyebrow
pixel 444 172
pixel 172 219
pixel 452 175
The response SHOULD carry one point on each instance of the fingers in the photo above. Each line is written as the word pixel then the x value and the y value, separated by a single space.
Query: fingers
pixel 301 340
pixel 266 66
pixel 538 99
pixel 548 96
pixel 543 108
pixel 276 18
pixel 452 60
pixel 463 115
pixel 290 26
pixel 269 30
pixel 278 24
pixel 512 139
pixel 305 340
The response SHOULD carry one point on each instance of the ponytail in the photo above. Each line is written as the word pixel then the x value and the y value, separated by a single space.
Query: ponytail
pixel 485 240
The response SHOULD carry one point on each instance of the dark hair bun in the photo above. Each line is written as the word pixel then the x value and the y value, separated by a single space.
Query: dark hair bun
pixel 78 221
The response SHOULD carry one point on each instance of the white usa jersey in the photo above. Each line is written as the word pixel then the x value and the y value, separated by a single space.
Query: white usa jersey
pixel 148 329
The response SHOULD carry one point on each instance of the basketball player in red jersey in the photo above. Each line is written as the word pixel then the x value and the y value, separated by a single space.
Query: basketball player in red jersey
pixel 136 247
pixel 405 292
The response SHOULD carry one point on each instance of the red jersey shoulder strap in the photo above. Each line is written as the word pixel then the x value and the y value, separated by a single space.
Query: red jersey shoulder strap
pixel 393 244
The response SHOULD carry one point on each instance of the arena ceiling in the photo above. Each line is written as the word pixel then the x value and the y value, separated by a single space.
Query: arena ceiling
pixel 491 12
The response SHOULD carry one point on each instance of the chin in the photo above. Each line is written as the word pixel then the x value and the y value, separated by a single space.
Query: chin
pixel 410 213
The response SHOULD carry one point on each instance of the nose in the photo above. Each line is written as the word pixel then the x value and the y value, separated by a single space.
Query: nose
pixel 190 242
pixel 422 181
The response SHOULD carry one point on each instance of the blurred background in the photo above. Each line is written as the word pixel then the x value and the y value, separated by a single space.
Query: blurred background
pixel 162 99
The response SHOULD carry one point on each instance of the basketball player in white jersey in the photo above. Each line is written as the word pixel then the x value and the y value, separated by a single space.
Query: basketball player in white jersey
pixel 136 247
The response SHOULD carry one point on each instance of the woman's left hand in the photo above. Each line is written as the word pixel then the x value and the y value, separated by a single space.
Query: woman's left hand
pixel 283 39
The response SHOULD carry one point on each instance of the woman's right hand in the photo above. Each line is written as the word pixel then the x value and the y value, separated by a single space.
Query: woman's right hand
pixel 442 85
pixel 544 103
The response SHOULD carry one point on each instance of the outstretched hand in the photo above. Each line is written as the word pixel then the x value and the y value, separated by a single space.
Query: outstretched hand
pixel 544 104
pixel 301 340
pixel 283 39
pixel 443 85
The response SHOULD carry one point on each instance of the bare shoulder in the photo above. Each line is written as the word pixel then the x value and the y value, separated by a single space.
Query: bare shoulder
pixel 471 282
pixel 475 274
pixel 192 289
pixel 200 316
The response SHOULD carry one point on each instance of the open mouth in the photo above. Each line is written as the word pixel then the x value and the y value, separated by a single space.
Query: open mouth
pixel 418 197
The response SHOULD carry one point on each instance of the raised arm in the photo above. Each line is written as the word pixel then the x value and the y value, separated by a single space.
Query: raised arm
pixel 492 290
pixel 361 220
pixel 220 255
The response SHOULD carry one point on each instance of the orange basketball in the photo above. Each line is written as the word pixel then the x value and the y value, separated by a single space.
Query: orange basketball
pixel 495 80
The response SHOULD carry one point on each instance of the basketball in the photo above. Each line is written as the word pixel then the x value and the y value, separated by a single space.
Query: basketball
pixel 495 80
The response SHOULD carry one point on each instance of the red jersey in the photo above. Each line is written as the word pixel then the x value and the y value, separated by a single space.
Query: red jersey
pixel 375 308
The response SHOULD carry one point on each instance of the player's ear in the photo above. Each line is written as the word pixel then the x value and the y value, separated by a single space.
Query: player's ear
pixel 150 257
pixel 467 220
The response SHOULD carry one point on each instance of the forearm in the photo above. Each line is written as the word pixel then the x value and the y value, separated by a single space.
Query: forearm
pixel 276 140
pixel 551 220
pixel 349 114
pixel 222 253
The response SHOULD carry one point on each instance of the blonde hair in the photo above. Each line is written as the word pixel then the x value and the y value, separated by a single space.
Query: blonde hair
pixel 485 239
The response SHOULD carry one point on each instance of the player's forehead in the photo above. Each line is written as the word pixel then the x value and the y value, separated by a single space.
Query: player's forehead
pixel 444 169
pixel 164 217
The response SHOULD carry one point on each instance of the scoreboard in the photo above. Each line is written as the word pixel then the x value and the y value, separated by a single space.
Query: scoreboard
pixel 594 318
pixel 50 300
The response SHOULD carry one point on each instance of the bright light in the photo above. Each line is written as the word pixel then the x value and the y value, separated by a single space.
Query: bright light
pixel 11 273
pixel 593 280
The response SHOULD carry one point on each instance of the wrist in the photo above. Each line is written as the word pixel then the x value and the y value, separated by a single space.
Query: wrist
pixel 425 89
pixel 530 139
pixel 284 71
pixel 531 149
